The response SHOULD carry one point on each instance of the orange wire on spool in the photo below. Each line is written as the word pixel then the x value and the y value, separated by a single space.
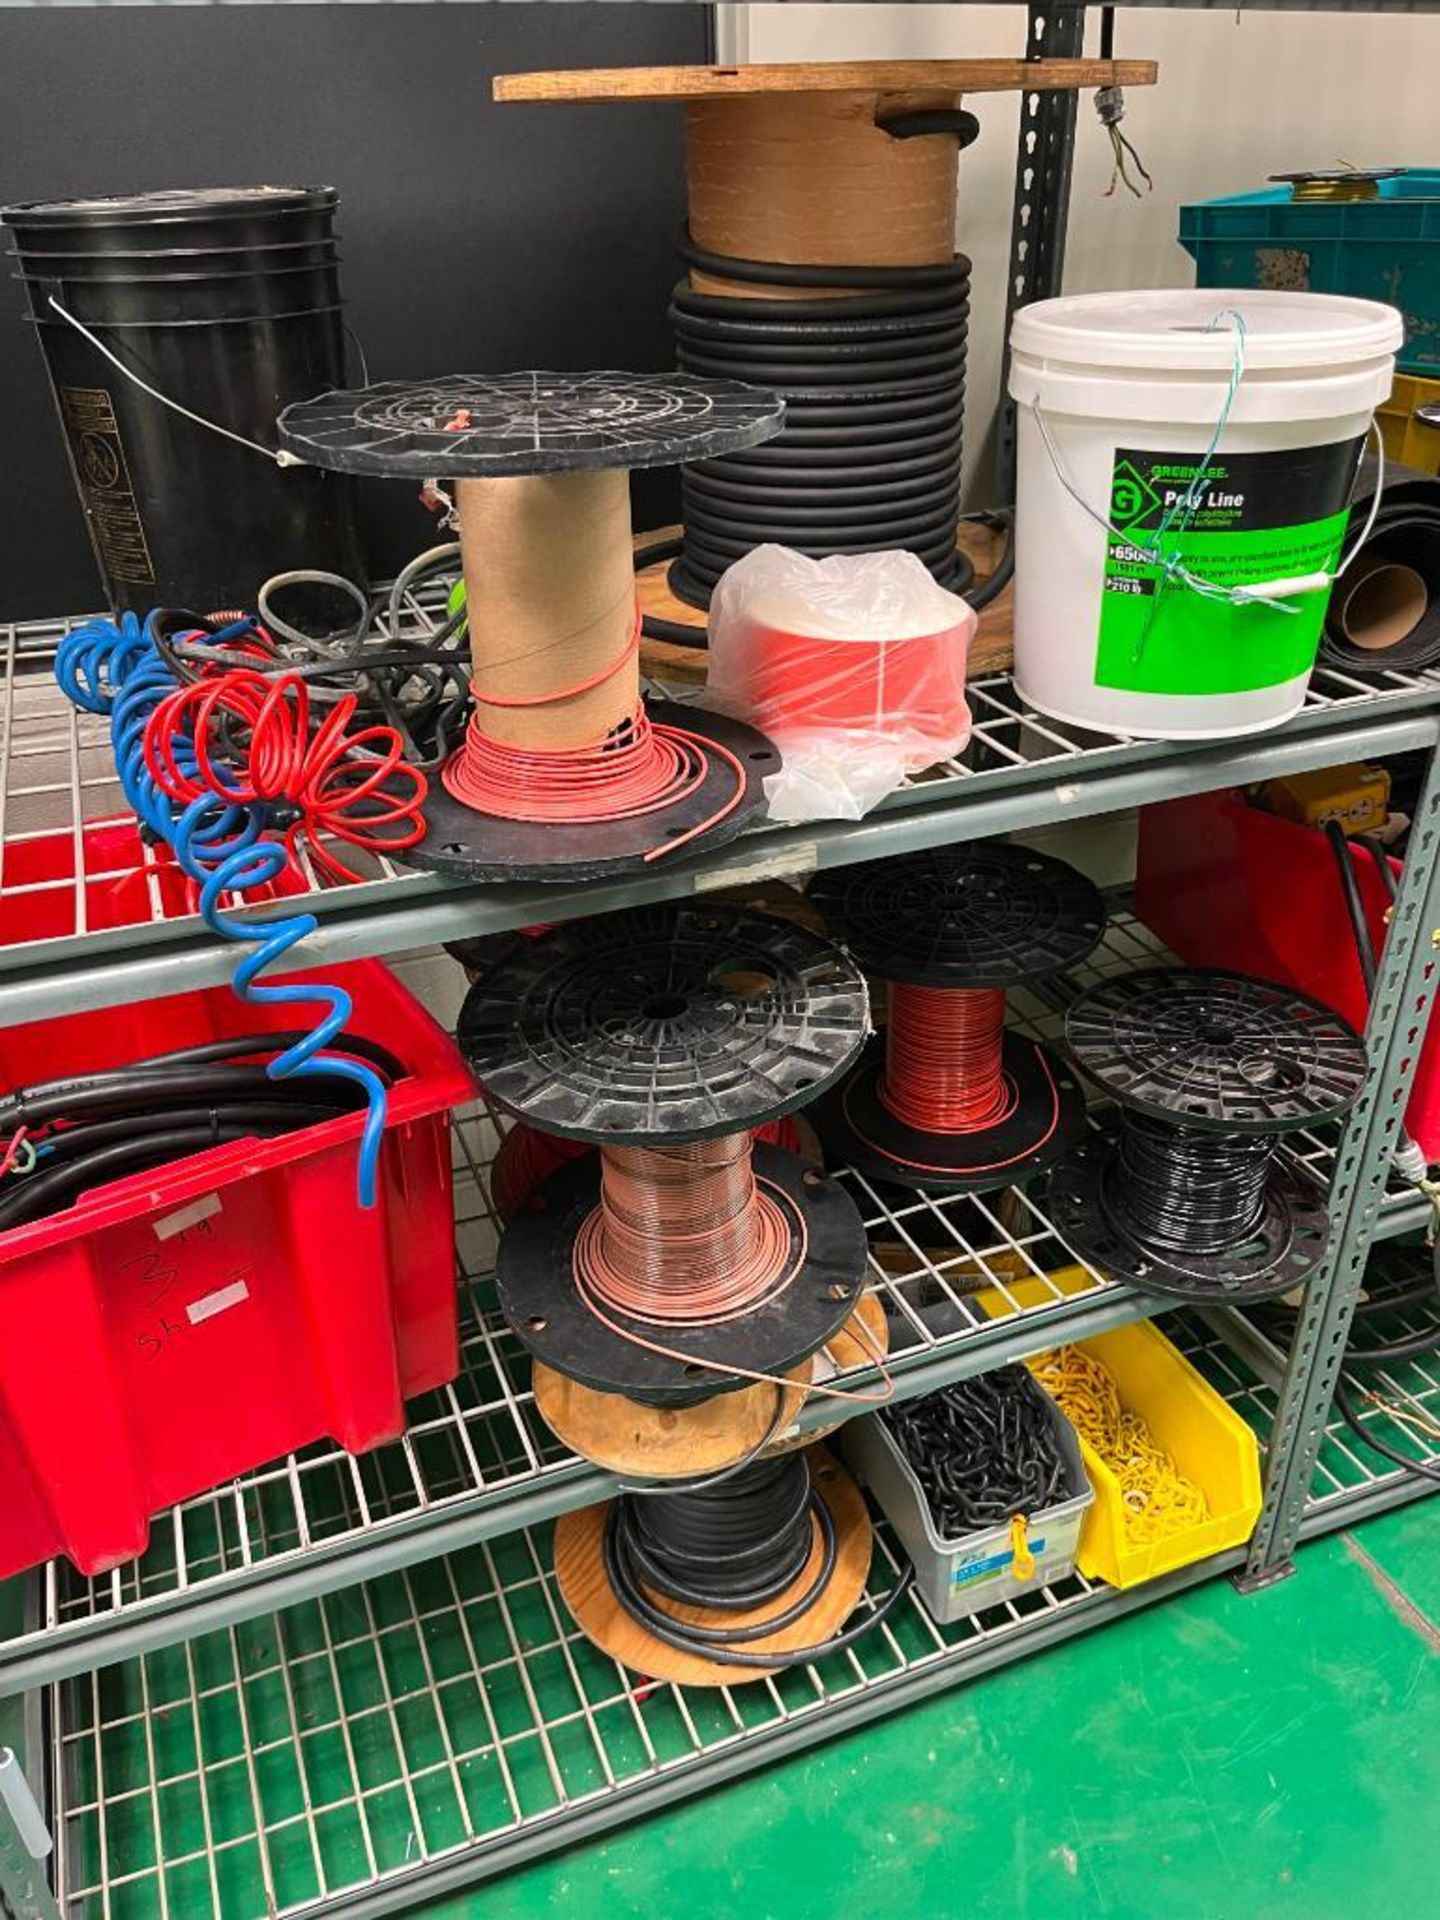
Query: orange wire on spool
pixel 637 768
pixel 944 1061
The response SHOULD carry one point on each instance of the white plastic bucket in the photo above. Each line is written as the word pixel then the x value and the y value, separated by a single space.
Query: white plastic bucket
pixel 1129 388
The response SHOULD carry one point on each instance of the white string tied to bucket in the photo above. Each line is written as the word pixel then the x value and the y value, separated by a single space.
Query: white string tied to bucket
pixel 1278 595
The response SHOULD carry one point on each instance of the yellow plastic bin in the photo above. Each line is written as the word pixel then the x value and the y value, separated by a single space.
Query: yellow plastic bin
pixel 1409 438
pixel 1207 1440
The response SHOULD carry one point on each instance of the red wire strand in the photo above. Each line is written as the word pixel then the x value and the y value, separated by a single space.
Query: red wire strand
pixel 252 740
pixel 944 1059
pixel 638 768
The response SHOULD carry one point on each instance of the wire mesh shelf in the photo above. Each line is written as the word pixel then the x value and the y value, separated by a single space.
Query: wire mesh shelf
pixel 967 1283
pixel 477 1452
pixel 105 898
pixel 357 1750
pixel 1398 1402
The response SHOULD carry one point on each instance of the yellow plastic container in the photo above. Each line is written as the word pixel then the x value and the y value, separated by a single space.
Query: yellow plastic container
pixel 1207 1440
pixel 1412 441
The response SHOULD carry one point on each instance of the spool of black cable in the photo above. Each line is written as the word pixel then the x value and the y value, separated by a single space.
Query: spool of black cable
pixel 1187 1195
pixel 871 364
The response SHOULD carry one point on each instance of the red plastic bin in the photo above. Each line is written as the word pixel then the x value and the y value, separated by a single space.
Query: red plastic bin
pixel 182 1326
pixel 1225 884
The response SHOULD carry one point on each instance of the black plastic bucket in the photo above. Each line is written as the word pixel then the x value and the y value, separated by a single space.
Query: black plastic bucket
pixel 227 302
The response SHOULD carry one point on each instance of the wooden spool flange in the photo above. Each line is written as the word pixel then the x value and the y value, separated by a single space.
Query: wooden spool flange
pixel 580 1571
pixel 686 1443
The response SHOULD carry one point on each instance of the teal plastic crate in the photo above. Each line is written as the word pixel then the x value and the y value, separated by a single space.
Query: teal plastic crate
pixel 1385 249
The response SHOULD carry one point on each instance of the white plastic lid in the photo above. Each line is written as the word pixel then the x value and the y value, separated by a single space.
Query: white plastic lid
pixel 1170 328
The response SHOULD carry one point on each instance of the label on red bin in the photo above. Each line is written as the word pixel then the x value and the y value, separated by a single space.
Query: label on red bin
pixel 183 1218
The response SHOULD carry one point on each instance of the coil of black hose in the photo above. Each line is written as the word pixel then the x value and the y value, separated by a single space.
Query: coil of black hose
pixel 105 1125
pixel 874 386
pixel 1406 533
pixel 730 1547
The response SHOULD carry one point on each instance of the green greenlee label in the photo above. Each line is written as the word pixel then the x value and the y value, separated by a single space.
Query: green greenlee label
pixel 1261 517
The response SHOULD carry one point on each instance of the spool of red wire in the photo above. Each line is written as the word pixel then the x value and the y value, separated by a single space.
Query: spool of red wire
pixel 637 767
pixel 686 1257
pixel 944 1059
pixel 686 1236
pixel 951 1098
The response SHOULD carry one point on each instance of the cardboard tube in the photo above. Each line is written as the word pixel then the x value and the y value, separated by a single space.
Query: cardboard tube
pixel 550 602
pixel 809 178
pixel 1381 603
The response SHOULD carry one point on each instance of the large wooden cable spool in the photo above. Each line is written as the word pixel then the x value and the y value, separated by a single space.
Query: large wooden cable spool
pixel 793 164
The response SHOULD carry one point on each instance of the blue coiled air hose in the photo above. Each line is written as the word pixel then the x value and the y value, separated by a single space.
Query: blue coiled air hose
pixel 115 668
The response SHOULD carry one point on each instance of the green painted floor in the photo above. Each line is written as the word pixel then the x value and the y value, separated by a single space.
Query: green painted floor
pixel 1212 1758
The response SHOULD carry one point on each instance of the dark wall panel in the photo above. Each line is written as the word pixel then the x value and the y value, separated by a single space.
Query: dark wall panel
pixel 474 236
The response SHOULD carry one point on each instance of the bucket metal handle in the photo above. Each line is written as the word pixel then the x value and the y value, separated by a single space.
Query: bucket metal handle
pixel 1275 594
pixel 278 455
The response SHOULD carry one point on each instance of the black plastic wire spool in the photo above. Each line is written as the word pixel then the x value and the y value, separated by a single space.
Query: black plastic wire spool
pixel 655 1027
pixel 532 422
pixel 1185 1195
pixel 983 916
pixel 873 383
pixel 469 426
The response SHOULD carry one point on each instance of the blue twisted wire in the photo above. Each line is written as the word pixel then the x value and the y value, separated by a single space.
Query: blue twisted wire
pixel 114 668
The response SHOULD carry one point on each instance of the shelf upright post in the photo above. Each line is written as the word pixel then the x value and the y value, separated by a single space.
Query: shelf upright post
pixel 1042 199
pixel 1399 1009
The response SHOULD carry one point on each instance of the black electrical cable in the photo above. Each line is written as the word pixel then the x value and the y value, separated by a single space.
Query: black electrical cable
pixel 1422 1469
pixel 731 1548
pixel 1180 1190
pixel 1381 859
pixel 1354 906
pixel 103 1126
pixel 178 1072
pixel 45 1192
pixel 874 389
pixel 1361 1350
pixel 983 1450
pixel 1003 571
pixel 419 687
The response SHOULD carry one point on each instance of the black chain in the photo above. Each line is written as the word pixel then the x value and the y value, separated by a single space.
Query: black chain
pixel 982 1449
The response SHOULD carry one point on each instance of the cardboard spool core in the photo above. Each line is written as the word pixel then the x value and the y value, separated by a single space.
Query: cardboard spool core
pixel 580 1572
pixel 683 1443
pixel 550 602
pixel 1381 604
pixel 811 178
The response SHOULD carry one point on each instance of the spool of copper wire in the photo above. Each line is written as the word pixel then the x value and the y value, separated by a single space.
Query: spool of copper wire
pixel 684 1259
pixel 950 1098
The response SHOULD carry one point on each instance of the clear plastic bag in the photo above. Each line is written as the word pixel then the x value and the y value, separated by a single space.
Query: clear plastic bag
pixel 854 666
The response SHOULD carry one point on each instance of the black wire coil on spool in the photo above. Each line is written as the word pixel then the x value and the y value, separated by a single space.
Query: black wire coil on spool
pixel 1187 1195
pixel 731 1548
pixel 874 388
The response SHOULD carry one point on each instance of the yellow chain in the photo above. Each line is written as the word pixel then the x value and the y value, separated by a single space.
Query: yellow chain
pixel 1157 1498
